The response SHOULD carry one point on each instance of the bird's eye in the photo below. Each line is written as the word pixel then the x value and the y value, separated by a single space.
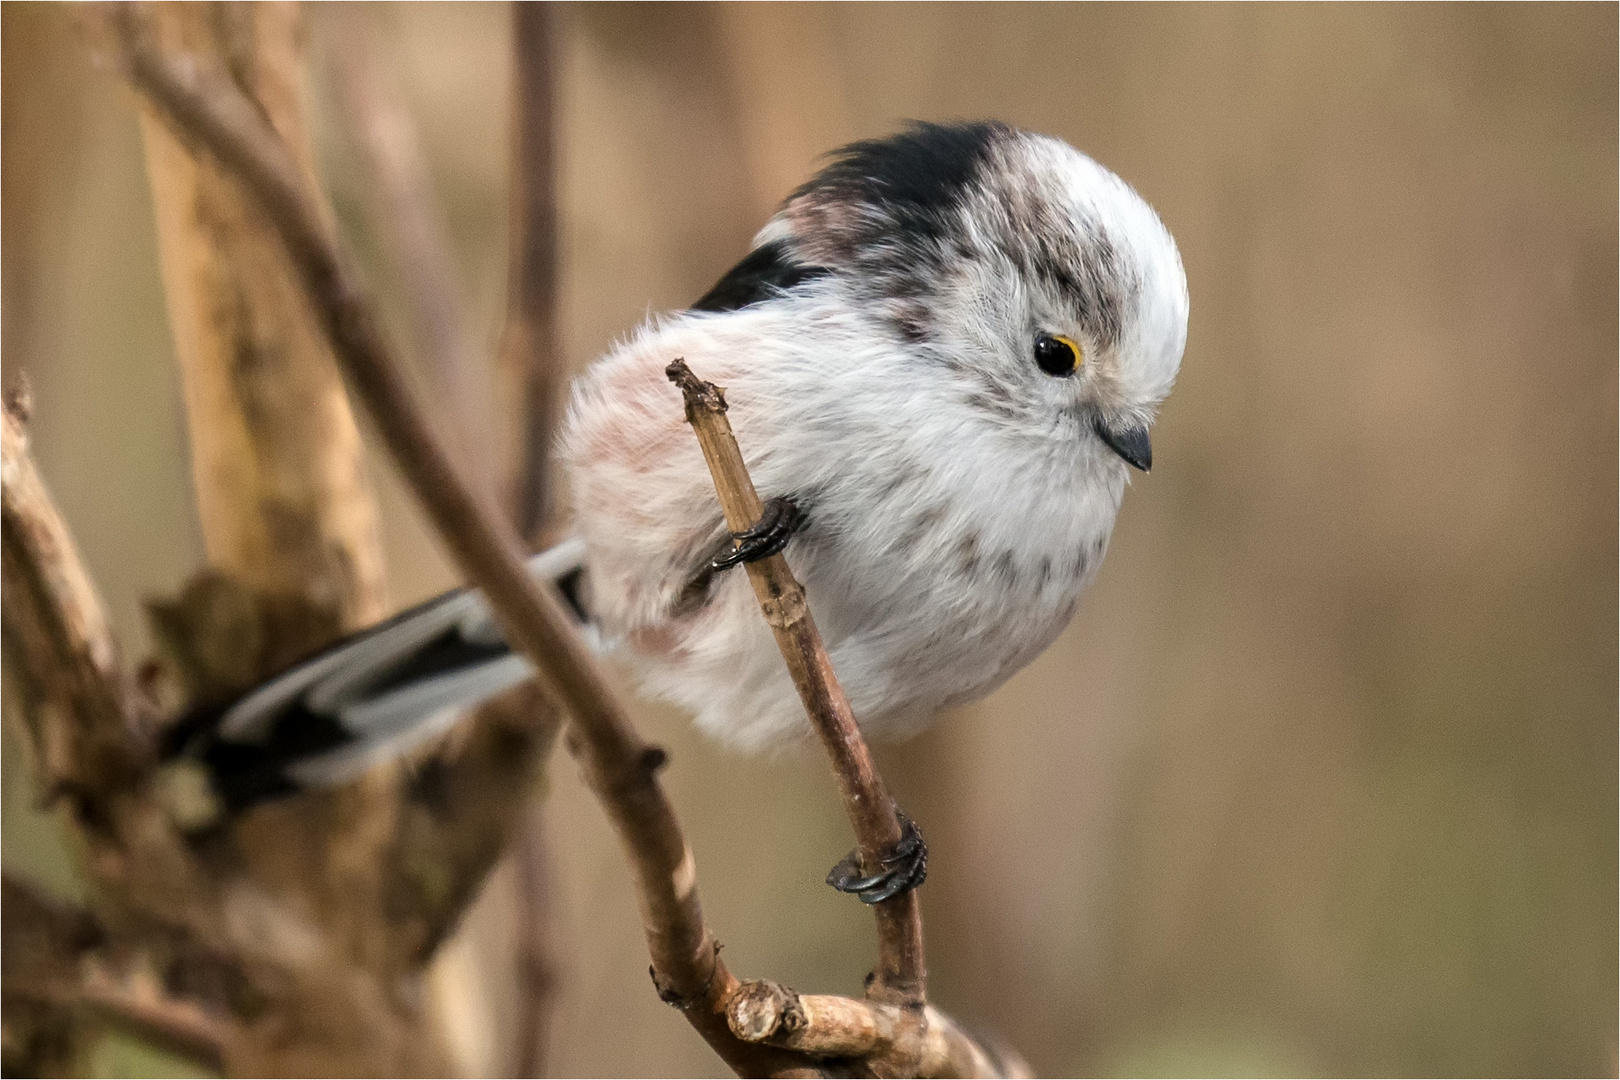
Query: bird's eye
pixel 1058 356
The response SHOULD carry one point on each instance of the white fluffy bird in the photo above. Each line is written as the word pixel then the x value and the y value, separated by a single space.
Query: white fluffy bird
pixel 941 356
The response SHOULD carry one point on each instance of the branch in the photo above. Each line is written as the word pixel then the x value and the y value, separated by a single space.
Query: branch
pixel 277 459
pixel 901 974
pixel 530 360
pixel 619 767
pixel 880 1036
pixel 894 1033
pixel 41 941
pixel 411 223
pixel 49 951
pixel 467 805
pixel 57 634
pixel 532 373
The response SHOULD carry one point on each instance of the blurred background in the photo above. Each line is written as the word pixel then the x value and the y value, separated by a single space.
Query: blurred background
pixel 1321 780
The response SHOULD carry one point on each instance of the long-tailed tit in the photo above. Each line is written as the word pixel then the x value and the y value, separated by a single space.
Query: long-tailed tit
pixel 941 355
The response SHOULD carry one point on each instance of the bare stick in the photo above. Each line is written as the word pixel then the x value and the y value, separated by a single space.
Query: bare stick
pixel 532 373
pixel 174 1025
pixel 49 961
pixel 57 629
pixel 902 973
pixel 529 357
pixel 620 768
pixel 408 217
pixel 884 1037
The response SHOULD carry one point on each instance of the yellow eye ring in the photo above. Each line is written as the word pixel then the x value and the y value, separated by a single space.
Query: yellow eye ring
pixel 1057 355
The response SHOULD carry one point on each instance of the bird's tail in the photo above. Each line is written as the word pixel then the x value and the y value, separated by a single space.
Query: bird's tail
pixel 370 697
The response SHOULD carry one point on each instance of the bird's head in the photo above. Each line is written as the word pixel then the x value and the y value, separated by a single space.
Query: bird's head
pixel 1037 279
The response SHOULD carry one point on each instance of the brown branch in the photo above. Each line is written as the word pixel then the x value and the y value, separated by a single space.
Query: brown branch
pixel 901 974
pixel 89 739
pixel 192 915
pixel 530 359
pixel 536 929
pixel 282 494
pixel 41 942
pixel 411 223
pixel 180 1027
pixel 619 767
pixel 894 1032
pixel 532 373
pixel 468 802
pixel 883 1037
pixel 407 215
pixel 50 962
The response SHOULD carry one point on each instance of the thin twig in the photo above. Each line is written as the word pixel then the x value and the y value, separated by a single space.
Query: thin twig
pixel 48 953
pixel 91 743
pixel 180 1027
pixel 619 767
pixel 535 932
pixel 411 222
pixel 532 372
pixel 902 973
pixel 529 355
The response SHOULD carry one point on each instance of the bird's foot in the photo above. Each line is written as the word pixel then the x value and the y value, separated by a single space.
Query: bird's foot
pixel 904 868
pixel 778 520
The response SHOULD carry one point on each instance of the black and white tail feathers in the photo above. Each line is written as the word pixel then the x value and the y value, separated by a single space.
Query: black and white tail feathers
pixel 367 698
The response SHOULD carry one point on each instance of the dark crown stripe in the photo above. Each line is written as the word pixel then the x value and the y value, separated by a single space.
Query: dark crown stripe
pixel 917 175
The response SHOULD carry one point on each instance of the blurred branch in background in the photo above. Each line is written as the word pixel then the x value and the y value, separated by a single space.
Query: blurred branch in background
pixel 281 490
pixel 531 359
pixel 55 985
pixel 406 213
pixel 409 217
pixel 290 941
pixel 531 369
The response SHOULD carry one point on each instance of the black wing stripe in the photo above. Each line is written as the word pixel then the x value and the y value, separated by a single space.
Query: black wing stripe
pixel 443 655
pixel 763 273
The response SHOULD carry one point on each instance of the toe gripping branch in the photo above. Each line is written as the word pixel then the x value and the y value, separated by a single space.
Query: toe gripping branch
pixel 778 520
pixel 904 868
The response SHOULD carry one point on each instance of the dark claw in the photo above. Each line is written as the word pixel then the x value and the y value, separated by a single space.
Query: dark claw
pixel 904 868
pixel 778 520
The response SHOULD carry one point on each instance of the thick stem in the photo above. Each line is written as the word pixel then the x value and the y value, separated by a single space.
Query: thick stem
pixel 281 488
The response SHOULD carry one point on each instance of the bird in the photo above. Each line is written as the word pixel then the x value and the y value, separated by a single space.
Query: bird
pixel 943 355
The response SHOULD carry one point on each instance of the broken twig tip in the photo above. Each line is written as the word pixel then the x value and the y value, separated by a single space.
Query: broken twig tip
pixel 701 397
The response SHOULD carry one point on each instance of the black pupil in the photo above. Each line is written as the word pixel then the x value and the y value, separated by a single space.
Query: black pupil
pixel 1053 356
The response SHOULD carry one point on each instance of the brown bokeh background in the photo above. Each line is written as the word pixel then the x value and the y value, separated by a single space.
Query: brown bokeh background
pixel 1323 777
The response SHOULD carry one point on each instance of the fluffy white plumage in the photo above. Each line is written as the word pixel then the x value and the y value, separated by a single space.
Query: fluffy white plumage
pixel 949 536
pixel 897 354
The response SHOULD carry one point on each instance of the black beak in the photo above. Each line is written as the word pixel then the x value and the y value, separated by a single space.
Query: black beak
pixel 1129 441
